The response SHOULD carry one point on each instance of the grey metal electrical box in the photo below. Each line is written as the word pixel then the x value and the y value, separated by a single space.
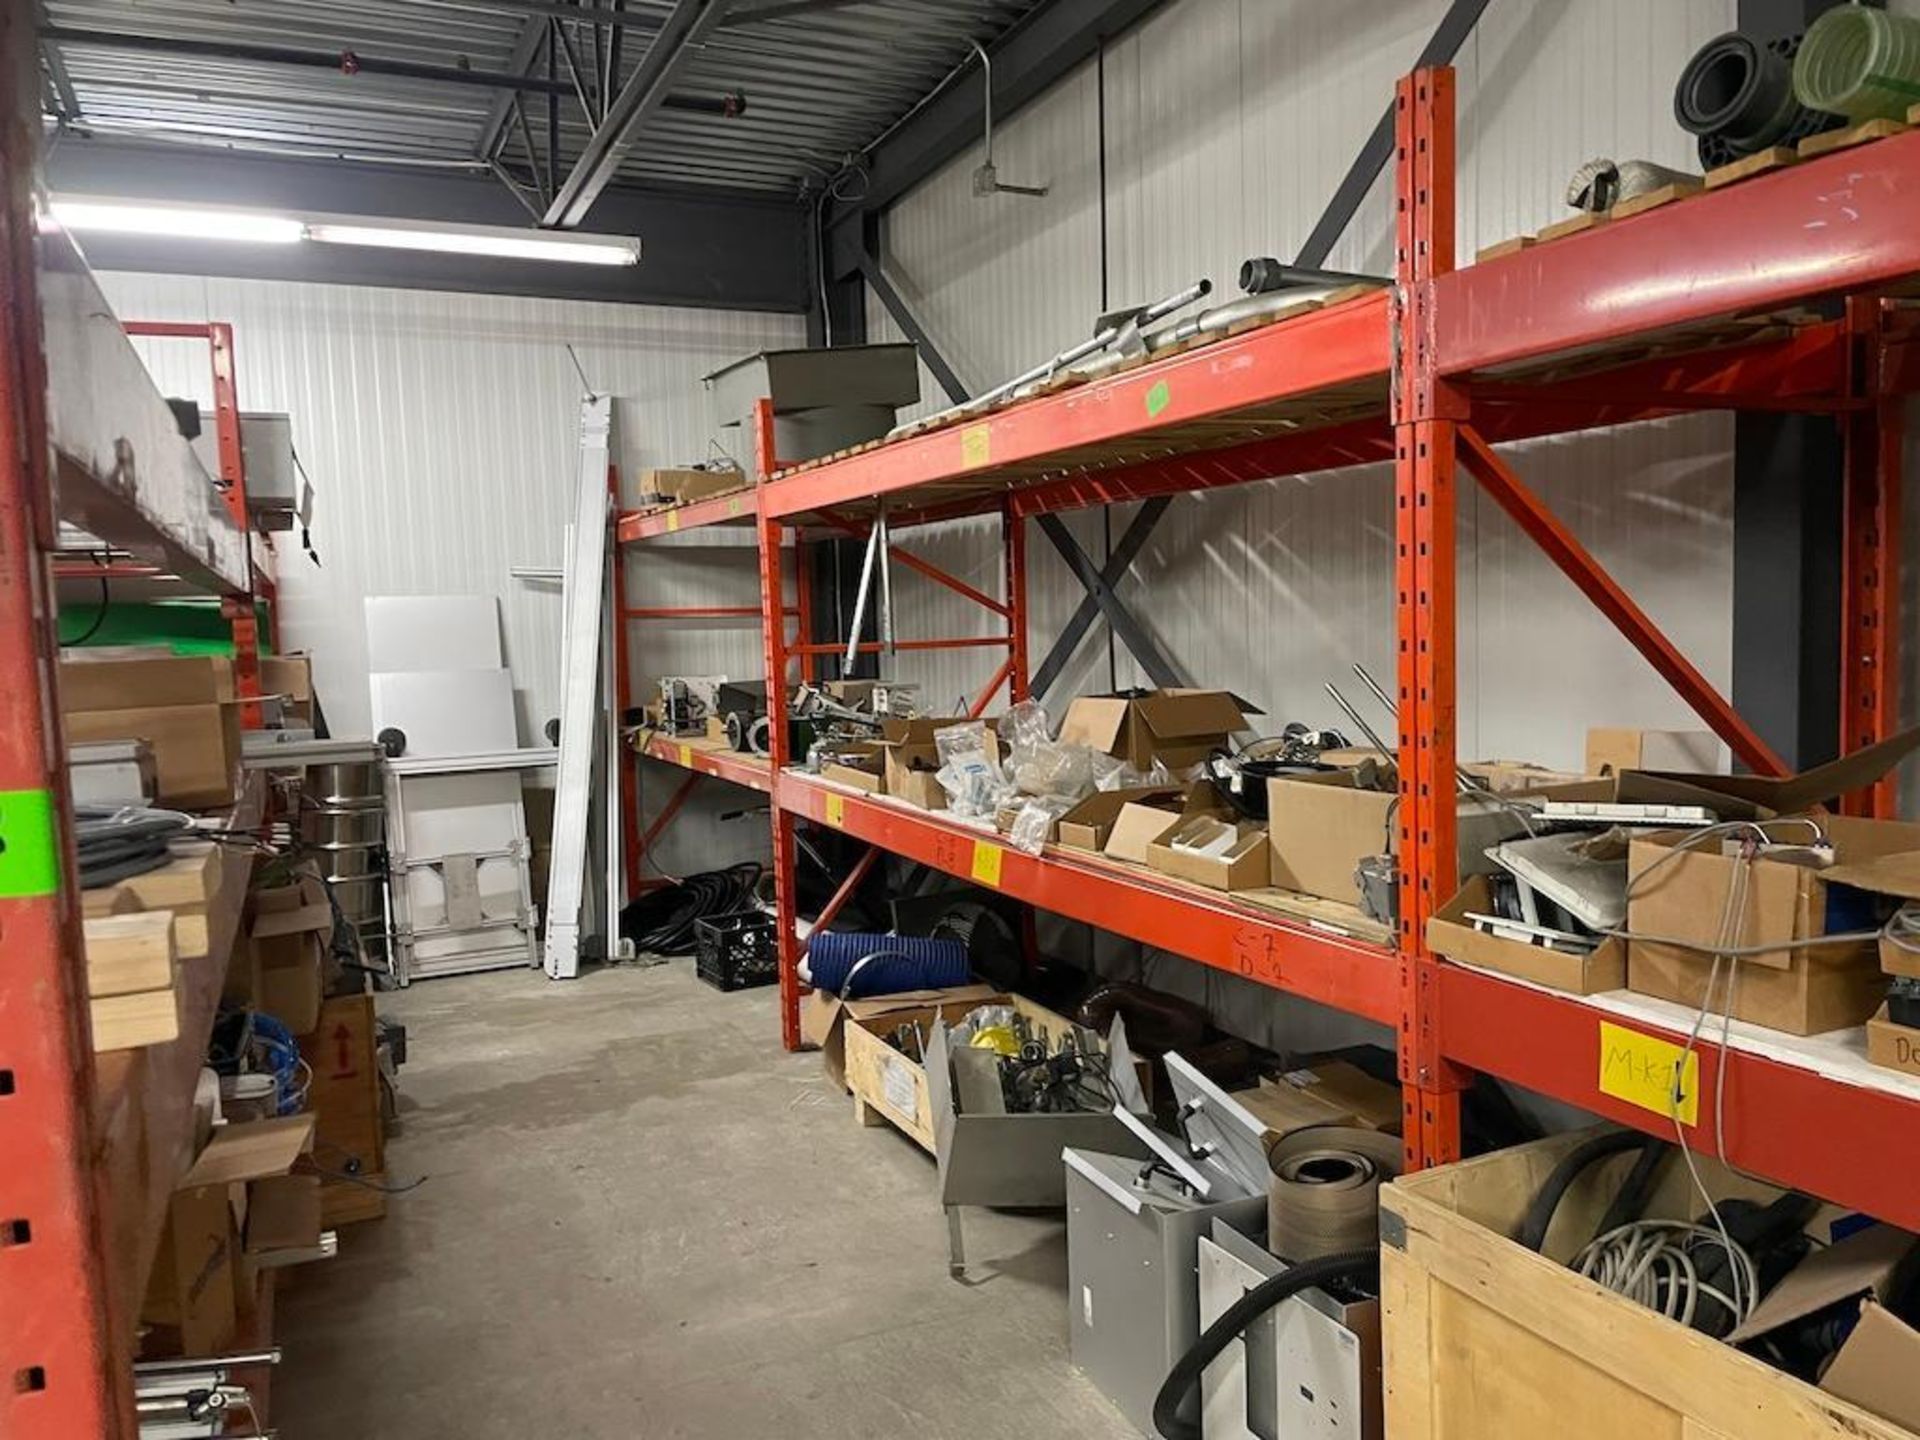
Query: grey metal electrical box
pixel 1133 1275
pixel 266 447
pixel 823 400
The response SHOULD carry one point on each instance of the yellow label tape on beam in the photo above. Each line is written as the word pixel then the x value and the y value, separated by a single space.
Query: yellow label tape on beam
pixel 836 811
pixel 986 863
pixel 1640 1070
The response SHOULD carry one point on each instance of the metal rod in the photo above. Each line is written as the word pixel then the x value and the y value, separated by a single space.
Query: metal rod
pixel 1366 679
pixel 1359 720
pixel 860 599
pixel 188 1366
pixel 1101 340
pixel 885 532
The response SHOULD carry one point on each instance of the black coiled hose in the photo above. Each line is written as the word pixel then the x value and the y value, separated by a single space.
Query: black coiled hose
pixel 661 922
pixel 1357 1266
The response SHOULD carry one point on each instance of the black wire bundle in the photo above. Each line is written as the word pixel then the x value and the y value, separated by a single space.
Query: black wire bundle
pixel 661 921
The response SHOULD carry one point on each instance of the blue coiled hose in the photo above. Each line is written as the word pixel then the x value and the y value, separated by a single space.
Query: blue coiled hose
pixel 893 963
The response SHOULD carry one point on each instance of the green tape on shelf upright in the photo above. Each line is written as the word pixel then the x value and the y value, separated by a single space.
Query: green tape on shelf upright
pixel 29 845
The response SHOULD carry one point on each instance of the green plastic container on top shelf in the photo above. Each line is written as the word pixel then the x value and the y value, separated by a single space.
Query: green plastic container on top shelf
pixel 1861 63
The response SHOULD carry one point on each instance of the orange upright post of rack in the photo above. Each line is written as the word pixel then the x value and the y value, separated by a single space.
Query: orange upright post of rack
pixel 237 609
pixel 63 1368
pixel 1870 598
pixel 773 630
pixel 1426 416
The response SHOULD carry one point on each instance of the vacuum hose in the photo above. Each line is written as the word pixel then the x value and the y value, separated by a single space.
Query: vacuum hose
pixel 1355 1265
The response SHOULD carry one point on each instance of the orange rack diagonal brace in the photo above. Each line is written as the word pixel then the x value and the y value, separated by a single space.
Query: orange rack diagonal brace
pixel 1497 478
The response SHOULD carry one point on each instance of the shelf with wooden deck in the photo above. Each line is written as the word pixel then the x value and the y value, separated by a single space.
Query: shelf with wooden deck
pixel 708 757
pixel 1327 953
pixel 143 1099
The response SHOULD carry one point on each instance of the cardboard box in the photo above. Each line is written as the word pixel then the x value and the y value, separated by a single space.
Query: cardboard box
pixel 1321 826
pixel 862 766
pixel 685 486
pixel 1757 797
pixel 1088 825
pixel 191 1290
pixel 1612 750
pixel 1376 1104
pixel 1449 933
pixel 291 678
pixel 911 756
pixel 854 694
pixel 1243 865
pixel 1801 990
pixel 824 1017
pixel 1135 829
pixel 1896 1047
pixel 1176 727
pixel 283 1213
pixel 1878 1367
pixel 287 949
pixel 1508 777
pixel 1284 1108
pixel 182 706
pixel 195 747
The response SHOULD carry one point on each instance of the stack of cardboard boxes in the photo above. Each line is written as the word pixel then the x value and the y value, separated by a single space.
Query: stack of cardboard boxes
pixel 184 706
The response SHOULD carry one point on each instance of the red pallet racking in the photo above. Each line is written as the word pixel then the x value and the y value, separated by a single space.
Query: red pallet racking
pixel 1691 306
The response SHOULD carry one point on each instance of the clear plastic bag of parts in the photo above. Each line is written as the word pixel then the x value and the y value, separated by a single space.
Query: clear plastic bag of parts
pixel 1035 821
pixel 970 770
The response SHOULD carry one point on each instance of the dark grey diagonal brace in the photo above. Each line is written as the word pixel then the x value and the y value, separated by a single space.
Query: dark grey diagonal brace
pixel 1102 599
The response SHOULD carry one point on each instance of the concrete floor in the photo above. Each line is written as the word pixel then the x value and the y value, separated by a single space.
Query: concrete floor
pixel 641 1218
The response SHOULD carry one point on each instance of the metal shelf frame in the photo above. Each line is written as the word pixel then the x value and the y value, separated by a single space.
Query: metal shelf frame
pixel 90 1146
pixel 1688 307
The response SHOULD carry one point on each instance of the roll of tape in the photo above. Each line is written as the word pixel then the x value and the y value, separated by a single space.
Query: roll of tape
pixel 1324 1197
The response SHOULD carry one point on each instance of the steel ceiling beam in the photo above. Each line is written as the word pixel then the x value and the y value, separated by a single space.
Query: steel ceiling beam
pixel 731 252
pixel 525 51
pixel 752 12
pixel 683 32
pixel 1031 57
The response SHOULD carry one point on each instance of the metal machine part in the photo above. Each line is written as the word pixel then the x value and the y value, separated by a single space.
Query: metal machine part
pixel 1309 1369
pixel 1133 1292
pixel 1262 275
pixel 1109 329
pixel 1601 184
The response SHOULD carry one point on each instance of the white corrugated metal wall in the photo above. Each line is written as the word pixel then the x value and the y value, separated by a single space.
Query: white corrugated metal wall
pixel 1228 124
pixel 440 434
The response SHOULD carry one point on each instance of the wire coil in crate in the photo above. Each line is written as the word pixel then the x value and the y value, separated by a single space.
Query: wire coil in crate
pixel 737 951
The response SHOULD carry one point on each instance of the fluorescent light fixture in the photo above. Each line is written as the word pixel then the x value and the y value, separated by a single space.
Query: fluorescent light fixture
pixel 232 223
pixel 179 222
pixel 499 241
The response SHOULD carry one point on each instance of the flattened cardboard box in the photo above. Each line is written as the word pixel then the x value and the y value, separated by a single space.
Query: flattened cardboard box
pixel 685 486
pixel 1614 749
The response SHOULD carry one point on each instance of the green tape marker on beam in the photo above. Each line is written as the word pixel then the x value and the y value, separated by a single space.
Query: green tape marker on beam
pixel 29 845
pixel 1158 398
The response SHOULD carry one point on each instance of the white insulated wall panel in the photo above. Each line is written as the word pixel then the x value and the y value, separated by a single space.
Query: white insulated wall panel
pixel 439 431
pixel 1229 123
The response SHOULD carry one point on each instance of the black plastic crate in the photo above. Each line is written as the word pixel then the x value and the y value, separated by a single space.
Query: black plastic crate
pixel 736 952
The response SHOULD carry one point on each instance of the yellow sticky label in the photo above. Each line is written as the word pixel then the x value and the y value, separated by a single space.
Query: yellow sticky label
pixel 673 520
pixel 836 810
pixel 1640 1070
pixel 686 756
pixel 733 506
pixel 986 863
pixel 976 446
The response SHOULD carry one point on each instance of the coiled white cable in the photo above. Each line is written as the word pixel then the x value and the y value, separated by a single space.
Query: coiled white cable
pixel 1652 1263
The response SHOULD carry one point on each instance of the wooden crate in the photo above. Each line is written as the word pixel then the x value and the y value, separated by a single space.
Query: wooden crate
pixel 1485 1340
pixel 344 1096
